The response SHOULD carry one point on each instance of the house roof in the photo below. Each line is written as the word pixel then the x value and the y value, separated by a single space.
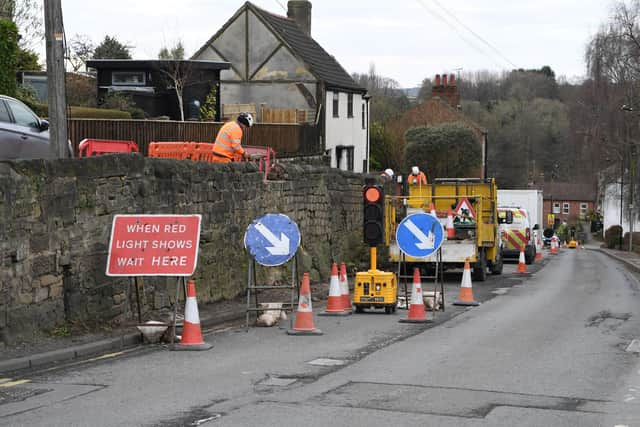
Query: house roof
pixel 137 64
pixel 320 63
pixel 585 192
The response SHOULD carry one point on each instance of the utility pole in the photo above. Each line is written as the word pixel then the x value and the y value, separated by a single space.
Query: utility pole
pixel 54 36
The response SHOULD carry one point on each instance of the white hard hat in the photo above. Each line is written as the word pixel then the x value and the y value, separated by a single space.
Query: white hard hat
pixel 415 170
pixel 389 172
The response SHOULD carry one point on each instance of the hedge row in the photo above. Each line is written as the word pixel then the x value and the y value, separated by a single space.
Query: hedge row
pixel 42 110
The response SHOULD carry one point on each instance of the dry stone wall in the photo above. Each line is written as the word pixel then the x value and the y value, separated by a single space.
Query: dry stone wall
pixel 57 216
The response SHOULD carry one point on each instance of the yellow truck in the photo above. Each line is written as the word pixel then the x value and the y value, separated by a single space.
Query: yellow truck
pixel 472 203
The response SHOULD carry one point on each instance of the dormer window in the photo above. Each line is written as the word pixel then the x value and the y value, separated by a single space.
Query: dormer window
pixel 128 78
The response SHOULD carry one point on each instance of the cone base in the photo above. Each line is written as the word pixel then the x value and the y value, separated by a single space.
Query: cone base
pixel 299 333
pixel 415 321
pixel 335 313
pixel 193 347
pixel 522 273
pixel 467 303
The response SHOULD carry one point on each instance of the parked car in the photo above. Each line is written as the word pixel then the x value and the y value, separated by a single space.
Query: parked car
pixel 23 135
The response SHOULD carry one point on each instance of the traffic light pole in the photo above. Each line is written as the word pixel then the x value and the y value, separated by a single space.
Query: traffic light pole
pixel 374 256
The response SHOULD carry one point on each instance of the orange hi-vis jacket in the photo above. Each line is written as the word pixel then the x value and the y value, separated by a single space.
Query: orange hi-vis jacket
pixel 227 143
pixel 421 179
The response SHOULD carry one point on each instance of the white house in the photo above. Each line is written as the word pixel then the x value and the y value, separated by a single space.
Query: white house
pixel 275 62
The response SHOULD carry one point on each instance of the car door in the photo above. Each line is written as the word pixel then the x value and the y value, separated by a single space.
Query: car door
pixel 9 134
pixel 34 143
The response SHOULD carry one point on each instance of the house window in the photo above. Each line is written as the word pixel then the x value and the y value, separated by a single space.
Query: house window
pixel 350 105
pixel 335 104
pixel 344 157
pixel 556 207
pixel 565 208
pixel 583 208
pixel 364 123
pixel 128 78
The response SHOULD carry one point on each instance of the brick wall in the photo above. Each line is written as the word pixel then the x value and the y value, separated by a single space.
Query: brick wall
pixel 56 223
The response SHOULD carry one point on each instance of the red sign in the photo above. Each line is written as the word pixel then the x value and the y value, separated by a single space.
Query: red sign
pixel 154 245
pixel 465 210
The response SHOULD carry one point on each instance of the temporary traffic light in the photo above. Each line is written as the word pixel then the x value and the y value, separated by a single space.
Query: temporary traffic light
pixel 373 214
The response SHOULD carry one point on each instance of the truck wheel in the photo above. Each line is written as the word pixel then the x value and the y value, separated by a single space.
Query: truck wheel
pixel 359 309
pixel 480 268
pixel 496 268
pixel 529 254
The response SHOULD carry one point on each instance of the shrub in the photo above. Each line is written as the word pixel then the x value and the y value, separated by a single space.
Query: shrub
pixel 612 236
pixel 42 110
pixel 8 57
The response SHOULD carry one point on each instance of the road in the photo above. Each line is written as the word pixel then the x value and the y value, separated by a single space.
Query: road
pixel 547 350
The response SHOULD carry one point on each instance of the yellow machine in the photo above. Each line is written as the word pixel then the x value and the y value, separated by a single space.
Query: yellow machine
pixel 375 288
pixel 473 203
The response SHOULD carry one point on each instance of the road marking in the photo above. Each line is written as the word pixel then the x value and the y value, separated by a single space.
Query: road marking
pixel 105 356
pixel 14 383
pixel 327 362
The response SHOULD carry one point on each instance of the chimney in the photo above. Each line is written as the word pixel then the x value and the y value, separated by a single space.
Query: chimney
pixel 300 12
pixel 445 88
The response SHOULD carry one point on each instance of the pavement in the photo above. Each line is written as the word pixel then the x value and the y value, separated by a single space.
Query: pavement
pixel 216 315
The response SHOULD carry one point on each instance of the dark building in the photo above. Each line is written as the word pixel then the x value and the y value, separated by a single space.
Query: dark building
pixel 150 86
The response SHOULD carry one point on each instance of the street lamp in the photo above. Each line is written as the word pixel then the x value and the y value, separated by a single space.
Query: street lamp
pixel 631 153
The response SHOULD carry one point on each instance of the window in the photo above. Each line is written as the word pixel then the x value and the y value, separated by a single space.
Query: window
pixel 335 104
pixel 364 122
pixel 350 105
pixel 4 114
pixel 583 208
pixel 22 115
pixel 556 207
pixel 128 78
pixel 565 208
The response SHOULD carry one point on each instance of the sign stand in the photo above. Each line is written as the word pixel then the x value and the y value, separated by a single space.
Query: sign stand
pixel 270 241
pixel 254 288
pixel 438 278
pixel 182 280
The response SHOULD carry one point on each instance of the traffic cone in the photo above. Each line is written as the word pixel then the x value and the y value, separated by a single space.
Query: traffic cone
pixel 432 210
pixel 304 316
pixel 191 333
pixel 451 232
pixel 417 313
pixel 539 252
pixel 554 246
pixel 522 265
pixel 335 302
pixel 466 292
pixel 344 289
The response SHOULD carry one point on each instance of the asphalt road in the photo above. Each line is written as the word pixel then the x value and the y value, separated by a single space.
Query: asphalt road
pixel 547 350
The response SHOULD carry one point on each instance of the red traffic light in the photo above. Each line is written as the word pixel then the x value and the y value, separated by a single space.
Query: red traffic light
pixel 372 194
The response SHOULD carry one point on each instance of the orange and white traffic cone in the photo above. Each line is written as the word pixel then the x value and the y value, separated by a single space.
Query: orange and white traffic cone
pixel 432 210
pixel 466 291
pixel 304 316
pixel 554 246
pixel 417 313
pixel 191 332
pixel 522 265
pixel 451 231
pixel 344 289
pixel 335 301
pixel 539 252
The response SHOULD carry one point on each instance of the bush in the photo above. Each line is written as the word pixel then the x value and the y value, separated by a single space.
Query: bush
pixel 612 236
pixel 42 110
pixel 8 57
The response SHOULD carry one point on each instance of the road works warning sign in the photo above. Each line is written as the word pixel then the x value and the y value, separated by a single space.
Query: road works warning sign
pixel 153 245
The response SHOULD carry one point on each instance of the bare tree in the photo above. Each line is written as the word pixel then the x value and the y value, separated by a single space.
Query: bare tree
pixel 176 71
pixel 28 16
pixel 80 49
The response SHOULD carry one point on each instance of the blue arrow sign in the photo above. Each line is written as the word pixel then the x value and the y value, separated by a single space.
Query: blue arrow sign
pixel 272 239
pixel 419 235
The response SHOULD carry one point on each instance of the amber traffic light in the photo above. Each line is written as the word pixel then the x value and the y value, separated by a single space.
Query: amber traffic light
pixel 373 215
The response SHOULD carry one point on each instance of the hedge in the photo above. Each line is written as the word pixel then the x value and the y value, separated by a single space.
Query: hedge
pixel 8 57
pixel 85 112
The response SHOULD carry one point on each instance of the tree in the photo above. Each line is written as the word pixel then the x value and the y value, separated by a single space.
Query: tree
pixel 111 48
pixel 8 57
pixel 27 60
pixel 81 49
pixel 28 17
pixel 176 52
pixel 447 150
pixel 425 90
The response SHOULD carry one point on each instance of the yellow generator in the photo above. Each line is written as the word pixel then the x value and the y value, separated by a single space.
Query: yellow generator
pixel 375 289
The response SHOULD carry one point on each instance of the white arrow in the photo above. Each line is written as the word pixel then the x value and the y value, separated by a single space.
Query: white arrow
pixel 424 241
pixel 280 246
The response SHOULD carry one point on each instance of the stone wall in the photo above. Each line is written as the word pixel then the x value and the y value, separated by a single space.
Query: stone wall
pixel 56 223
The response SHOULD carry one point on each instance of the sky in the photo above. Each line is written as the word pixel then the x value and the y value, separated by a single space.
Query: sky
pixel 406 40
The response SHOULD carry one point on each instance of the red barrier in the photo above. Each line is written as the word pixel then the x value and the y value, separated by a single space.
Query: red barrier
pixel 95 147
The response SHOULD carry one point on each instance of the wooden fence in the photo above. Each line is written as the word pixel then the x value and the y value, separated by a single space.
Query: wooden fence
pixel 285 139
